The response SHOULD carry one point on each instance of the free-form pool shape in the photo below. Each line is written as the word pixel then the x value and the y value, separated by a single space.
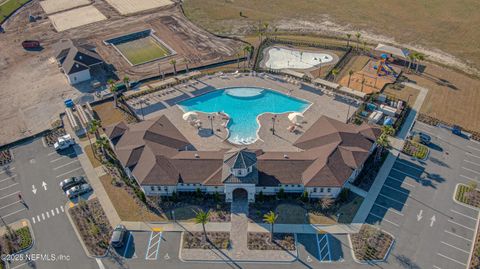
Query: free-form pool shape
pixel 281 58
pixel 243 106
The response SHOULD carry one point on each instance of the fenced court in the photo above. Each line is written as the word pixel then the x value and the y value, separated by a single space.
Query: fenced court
pixel 76 17
pixel 54 6
pixel 133 6
pixel 140 47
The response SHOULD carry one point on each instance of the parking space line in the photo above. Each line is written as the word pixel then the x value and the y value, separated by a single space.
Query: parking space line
pixel 9 186
pixel 58 159
pixel 8 195
pixel 474 163
pixel 63 165
pixel 402 181
pixel 402 203
pixel 469 178
pixel 326 244
pixel 71 171
pixel 33 219
pixel 15 212
pixel 473 155
pixel 389 209
pixel 461 214
pixel 128 244
pixel 473 171
pixel 5 170
pixel 457 248
pixel 51 153
pixel 461 225
pixel 5 206
pixel 7 178
pixel 384 219
pixel 400 171
pixel 459 236
pixel 402 192
pixel 153 235
pixel 436 267
pixel 453 260
pixel 474 148
pixel 403 162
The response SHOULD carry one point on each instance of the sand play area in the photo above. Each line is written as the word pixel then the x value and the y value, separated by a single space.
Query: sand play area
pixel 282 58
pixel 76 17
pixel 125 7
pixel 54 6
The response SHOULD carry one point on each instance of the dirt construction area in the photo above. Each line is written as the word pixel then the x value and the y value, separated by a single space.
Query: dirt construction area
pixel 33 88
pixel 54 6
pixel 76 17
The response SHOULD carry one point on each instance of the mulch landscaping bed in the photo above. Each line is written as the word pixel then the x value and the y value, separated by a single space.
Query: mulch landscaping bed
pixel 415 149
pixel 51 137
pixel 20 239
pixel 261 241
pixel 93 226
pixel 5 157
pixel 371 244
pixel 196 240
pixel 468 196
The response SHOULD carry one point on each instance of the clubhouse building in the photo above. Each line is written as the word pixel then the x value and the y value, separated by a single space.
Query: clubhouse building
pixel 162 161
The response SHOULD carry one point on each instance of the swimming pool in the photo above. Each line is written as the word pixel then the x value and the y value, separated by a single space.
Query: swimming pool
pixel 243 105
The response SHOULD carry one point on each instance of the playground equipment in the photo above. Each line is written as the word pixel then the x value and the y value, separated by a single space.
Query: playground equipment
pixel 383 68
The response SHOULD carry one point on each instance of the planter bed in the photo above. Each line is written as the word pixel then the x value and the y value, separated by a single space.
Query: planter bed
pixel 5 157
pixel 467 195
pixel 415 149
pixel 215 240
pixel 371 244
pixel 19 241
pixel 51 137
pixel 261 241
pixel 93 226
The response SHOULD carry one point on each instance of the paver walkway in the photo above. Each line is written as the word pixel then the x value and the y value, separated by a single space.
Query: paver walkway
pixel 239 227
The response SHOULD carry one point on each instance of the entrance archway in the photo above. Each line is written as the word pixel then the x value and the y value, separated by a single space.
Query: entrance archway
pixel 240 194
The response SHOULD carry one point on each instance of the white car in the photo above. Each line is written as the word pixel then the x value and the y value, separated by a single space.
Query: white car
pixel 78 190
pixel 64 142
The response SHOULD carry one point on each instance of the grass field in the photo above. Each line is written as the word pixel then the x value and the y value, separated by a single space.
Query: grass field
pixel 143 50
pixel 7 7
pixel 446 25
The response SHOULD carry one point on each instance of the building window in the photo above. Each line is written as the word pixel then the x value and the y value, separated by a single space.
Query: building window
pixel 321 189
pixel 329 190
pixel 314 189
pixel 152 188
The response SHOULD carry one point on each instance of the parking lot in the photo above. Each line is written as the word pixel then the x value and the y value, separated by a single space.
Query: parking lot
pixel 416 204
pixel 35 174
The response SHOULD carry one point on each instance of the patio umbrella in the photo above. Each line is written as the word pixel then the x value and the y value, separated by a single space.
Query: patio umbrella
pixel 190 116
pixel 295 117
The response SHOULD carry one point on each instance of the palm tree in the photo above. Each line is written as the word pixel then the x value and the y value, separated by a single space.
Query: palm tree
pixel 174 63
pixel 335 72
pixel 411 58
pixel 275 32
pixel 102 143
pixel 246 53
pixel 238 60
pixel 201 217
pixel 350 73
pixel 186 65
pixel 126 81
pixel 270 218
pixel 358 35
pixel 418 57
pixel 364 44
pixel 382 140
pixel 93 127
pixel 265 29
pixel 326 203
pixel 113 90
pixel 348 39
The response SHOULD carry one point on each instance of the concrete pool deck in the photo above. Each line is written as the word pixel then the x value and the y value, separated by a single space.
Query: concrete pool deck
pixel 322 104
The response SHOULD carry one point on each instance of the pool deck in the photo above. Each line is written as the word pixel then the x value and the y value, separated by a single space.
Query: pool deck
pixel 203 139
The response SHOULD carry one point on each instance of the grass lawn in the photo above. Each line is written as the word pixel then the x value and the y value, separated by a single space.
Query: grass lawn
pixel 143 50
pixel 290 214
pixel 127 208
pixel 108 114
pixel 401 93
pixel 346 212
pixel 95 162
pixel 7 7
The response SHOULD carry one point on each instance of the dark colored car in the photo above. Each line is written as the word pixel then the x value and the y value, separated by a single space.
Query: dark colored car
pixel 31 44
pixel 118 235
pixel 423 137
pixel 78 190
pixel 70 182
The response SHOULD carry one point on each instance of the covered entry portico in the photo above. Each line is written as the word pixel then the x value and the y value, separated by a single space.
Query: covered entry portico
pixel 234 192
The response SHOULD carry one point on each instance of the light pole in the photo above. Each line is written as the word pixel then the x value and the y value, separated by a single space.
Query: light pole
pixel 141 108
pixel 273 124
pixel 211 118
pixel 408 99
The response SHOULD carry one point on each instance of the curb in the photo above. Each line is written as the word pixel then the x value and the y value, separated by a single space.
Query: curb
pixel 372 261
pixel 28 247
pixel 461 203
pixel 470 256
pixel 236 261
pixel 87 252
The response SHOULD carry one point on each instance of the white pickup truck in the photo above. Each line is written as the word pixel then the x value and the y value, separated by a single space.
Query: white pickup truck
pixel 64 142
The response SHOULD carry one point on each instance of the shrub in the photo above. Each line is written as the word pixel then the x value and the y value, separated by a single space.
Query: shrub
pixel 304 197
pixel 260 197
pixel 343 196
pixel 281 194
pixel 198 193
pixel 216 197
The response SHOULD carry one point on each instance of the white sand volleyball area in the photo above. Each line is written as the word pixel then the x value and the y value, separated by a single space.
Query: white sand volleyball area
pixel 54 6
pixel 133 6
pixel 282 58
pixel 76 17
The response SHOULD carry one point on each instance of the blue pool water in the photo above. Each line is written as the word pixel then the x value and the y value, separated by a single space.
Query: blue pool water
pixel 244 105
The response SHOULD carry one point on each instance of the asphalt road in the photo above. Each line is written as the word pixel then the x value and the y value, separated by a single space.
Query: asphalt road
pixel 44 204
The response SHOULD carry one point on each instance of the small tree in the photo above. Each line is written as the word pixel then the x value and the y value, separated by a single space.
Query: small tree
pixel 216 197
pixel 174 64
pixel 281 194
pixel 335 72
pixel 326 203
pixel 270 218
pixel 358 35
pixel 126 81
pixel 113 89
pixel 102 143
pixel 260 197
pixel 350 73
pixel 304 197
pixel 348 39
pixel 201 217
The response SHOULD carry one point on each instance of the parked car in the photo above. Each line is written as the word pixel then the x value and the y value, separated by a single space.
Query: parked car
pixel 78 190
pixel 31 44
pixel 64 142
pixel 423 137
pixel 68 183
pixel 118 235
